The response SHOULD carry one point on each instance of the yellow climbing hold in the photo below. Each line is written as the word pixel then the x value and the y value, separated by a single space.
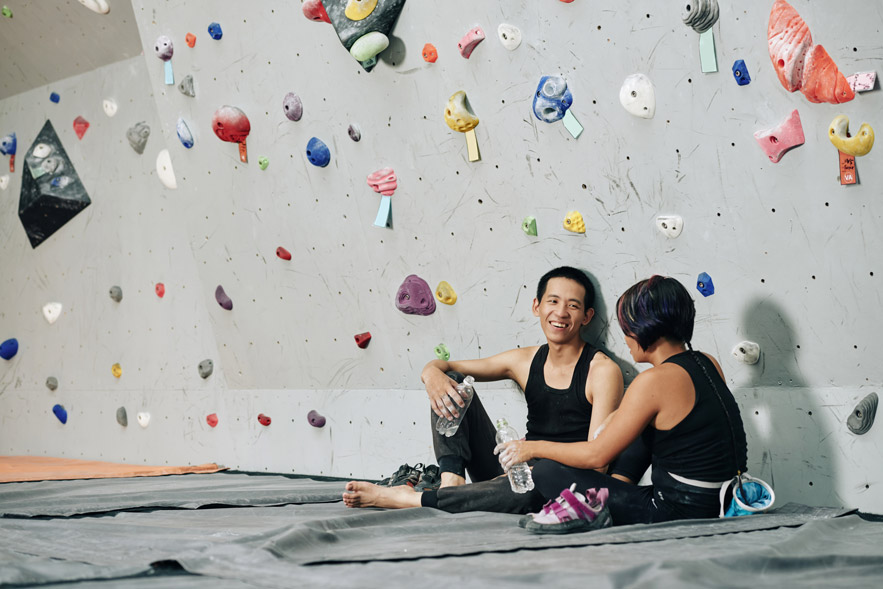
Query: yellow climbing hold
pixel 856 146
pixel 117 370
pixel 444 292
pixel 458 113
pixel 574 222
pixel 359 9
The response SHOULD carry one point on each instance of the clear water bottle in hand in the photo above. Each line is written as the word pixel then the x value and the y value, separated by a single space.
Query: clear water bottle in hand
pixel 519 474
pixel 448 427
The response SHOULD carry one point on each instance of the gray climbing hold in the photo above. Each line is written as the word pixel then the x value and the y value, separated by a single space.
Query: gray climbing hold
pixel 225 301
pixel 137 136
pixel 52 383
pixel 354 132
pixel 186 86
pixel 122 418
pixel 206 367
pixel 116 293
pixel 862 417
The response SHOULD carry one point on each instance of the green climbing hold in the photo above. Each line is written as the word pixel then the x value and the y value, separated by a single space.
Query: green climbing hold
pixel 7 12
pixel 368 46
pixel 442 353
pixel 529 225
pixel 263 162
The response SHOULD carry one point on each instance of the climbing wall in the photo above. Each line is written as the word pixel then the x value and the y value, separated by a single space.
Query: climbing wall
pixel 792 253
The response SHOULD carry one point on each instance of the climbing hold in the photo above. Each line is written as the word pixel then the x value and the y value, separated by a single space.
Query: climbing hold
pixel 80 127
pixel 444 292
pixel 292 106
pixel 230 124
pixel 510 36
pixel 184 134
pixel 442 352
pixel 9 348
pixel 116 370
pixel 368 46
pixel 263 162
pixel 190 39
pixel 862 81
pixel 8 146
pixel 856 146
pixel 862 417
pixel 359 9
pixel 700 14
pixel 552 99
pixel 211 419
pixel 529 225
pixel 52 311
pixel 60 413
pixel 164 169
pixel 264 419
pixel 51 383
pixel 137 136
pixel 414 297
pixel 573 222
pixel 670 225
pixel 314 11
pixel 4 181
pixel 223 299
pixel 164 48
pixel 315 419
pixel 363 339
pixel 186 86
pixel 354 132
pixel 160 289
pixel 54 97
pixel 822 81
pixel 776 141
pixel 317 153
pixel 143 418
pixel 110 106
pixel 383 181
pixel 97 6
pixel 470 41
pixel 283 253
pixel 458 113
pixel 705 285
pixel 740 72
pixel 746 352
pixel 638 96
pixel 430 53
pixel 116 293
pixel 122 416
pixel 214 30
pixel 6 11
pixel 205 368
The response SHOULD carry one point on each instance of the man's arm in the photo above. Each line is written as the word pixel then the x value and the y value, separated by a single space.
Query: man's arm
pixel 604 389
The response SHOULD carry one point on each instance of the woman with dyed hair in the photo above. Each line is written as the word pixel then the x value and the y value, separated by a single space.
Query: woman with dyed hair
pixel 678 416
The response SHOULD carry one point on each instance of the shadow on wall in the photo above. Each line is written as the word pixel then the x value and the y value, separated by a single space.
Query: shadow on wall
pixel 783 420
pixel 597 332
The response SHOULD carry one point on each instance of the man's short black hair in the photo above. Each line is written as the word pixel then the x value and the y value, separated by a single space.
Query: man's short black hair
pixel 570 273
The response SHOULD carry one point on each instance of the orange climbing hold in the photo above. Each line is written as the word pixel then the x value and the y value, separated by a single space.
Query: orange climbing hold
pixel 430 53
pixel 822 81
pixel 190 39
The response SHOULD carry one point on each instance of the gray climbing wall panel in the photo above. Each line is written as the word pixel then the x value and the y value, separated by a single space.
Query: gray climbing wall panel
pixel 793 254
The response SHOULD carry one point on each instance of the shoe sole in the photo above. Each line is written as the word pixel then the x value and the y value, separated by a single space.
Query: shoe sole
pixel 569 527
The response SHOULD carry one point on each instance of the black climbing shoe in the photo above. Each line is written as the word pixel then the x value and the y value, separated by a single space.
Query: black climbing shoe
pixel 405 475
pixel 430 479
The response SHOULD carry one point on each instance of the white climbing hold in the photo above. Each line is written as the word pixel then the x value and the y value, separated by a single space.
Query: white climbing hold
pixel 165 171
pixel 670 225
pixel 746 352
pixel 143 418
pixel 4 181
pixel 52 311
pixel 638 96
pixel 510 36
pixel 110 106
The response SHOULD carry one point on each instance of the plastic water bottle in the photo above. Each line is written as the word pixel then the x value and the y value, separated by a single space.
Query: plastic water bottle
pixel 519 474
pixel 448 427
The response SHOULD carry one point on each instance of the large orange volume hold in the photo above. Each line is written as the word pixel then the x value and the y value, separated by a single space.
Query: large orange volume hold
pixel 822 81
pixel 789 40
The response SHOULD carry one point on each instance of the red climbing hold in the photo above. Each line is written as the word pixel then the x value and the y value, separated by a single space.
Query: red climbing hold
pixel 265 420
pixel 283 253
pixel 222 298
pixel 362 339
pixel 80 126
pixel 190 39
pixel 315 11
pixel 212 419
pixel 160 289
pixel 315 419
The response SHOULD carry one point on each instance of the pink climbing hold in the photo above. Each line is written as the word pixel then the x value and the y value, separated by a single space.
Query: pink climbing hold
pixel 160 289
pixel 470 41
pixel 775 142
pixel 383 181
pixel 223 299
pixel 80 126
pixel 283 253
pixel 315 419
pixel 314 11
pixel 363 339
pixel 264 419
pixel 212 419
pixel 230 124
pixel 415 297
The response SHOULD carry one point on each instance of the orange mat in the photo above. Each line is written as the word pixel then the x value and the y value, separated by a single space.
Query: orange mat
pixel 46 468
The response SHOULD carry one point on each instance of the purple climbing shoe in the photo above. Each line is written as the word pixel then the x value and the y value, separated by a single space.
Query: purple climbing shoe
pixel 572 512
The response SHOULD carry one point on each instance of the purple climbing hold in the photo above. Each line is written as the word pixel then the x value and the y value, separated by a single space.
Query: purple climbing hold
pixel 60 413
pixel 315 419
pixel 222 298
pixel 293 106
pixel 414 297
pixel 9 348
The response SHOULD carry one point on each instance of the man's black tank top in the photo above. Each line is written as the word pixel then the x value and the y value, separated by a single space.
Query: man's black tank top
pixel 558 415
pixel 700 447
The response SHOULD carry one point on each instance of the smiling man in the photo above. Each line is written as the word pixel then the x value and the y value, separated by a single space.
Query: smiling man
pixel 570 387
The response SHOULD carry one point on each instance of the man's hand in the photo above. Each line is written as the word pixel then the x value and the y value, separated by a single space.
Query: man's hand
pixel 444 398
pixel 512 453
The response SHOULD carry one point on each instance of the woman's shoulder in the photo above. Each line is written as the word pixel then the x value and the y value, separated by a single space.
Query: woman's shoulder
pixel 659 377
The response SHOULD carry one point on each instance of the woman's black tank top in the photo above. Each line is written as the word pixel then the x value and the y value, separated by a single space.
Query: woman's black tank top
pixel 558 415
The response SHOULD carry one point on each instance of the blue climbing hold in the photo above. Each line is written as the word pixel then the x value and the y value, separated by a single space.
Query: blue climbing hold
pixel 317 153
pixel 552 99
pixel 54 97
pixel 705 285
pixel 60 413
pixel 215 31
pixel 184 134
pixel 740 72
pixel 9 348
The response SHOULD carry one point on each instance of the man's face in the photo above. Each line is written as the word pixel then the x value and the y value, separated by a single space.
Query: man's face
pixel 562 310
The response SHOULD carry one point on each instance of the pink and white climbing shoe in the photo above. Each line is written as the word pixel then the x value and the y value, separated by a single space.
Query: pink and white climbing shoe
pixel 572 512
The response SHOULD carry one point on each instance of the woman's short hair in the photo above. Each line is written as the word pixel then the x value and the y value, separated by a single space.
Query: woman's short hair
pixel 658 307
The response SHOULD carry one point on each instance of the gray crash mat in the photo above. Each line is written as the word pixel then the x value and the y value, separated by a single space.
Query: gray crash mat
pixel 190 491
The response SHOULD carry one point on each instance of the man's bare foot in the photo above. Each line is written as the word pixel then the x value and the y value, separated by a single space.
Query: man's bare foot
pixel 449 479
pixel 361 494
